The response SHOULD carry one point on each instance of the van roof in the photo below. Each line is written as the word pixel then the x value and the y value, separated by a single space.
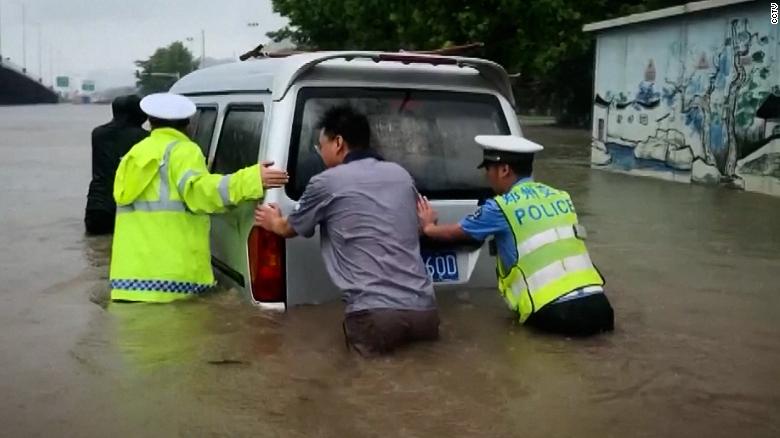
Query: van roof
pixel 277 75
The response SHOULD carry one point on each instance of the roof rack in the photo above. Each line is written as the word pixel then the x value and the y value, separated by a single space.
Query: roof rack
pixel 281 74
pixel 258 53
pixel 448 51
pixel 490 70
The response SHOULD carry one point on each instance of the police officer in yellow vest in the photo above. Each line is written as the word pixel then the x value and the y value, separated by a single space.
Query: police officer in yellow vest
pixel 164 194
pixel 544 271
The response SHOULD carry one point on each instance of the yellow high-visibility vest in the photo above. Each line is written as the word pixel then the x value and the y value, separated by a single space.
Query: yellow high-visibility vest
pixel 164 193
pixel 552 259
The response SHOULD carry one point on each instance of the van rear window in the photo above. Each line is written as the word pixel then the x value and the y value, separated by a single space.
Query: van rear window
pixel 201 127
pixel 430 133
pixel 239 142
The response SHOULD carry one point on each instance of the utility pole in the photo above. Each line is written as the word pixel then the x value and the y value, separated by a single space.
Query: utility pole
pixel 203 48
pixel 24 38
pixel 40 54
pixel 1 32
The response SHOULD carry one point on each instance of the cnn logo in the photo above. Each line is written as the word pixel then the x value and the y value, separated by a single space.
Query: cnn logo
pixel 773 13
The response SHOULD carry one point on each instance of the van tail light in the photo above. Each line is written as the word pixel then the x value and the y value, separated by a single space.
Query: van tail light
pixel 267 266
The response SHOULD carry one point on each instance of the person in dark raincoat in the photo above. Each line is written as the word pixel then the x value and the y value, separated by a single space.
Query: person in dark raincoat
pixel 110 142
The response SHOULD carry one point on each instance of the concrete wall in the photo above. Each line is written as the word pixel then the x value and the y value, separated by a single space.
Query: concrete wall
pixel 678 99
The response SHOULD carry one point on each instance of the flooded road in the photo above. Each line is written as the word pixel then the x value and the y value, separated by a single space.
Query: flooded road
pixel 693 273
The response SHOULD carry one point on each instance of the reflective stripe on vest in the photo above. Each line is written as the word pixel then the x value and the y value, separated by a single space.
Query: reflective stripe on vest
pixel 160 286
pixel 538 240
pixel 224 190
pixel 177 206
pixel 186 177
pixel 165 203
pixel 551 272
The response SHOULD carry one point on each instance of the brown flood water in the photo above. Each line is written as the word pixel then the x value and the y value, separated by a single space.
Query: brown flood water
pixel 692 273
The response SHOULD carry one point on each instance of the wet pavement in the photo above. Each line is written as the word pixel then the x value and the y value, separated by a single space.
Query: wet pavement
pixel 693 273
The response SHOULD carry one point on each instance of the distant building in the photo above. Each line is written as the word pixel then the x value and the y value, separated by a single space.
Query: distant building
pixel 690 93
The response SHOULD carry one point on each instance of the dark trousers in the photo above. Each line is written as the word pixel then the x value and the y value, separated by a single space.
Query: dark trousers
pixel 99 222
pixel 380 331
pixel 584 316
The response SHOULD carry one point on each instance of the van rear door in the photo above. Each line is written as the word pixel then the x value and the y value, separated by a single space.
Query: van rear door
pixel 431 134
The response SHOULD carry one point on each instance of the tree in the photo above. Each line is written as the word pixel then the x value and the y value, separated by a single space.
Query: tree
pixel 540 39
pixel 163 68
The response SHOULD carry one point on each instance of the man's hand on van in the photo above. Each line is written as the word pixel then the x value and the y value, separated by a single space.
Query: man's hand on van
pixel 426 214
pixel 269 216
pixel 272 177
pixel 429 226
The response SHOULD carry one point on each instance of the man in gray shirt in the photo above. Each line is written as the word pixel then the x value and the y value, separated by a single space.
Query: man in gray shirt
pixel 370 233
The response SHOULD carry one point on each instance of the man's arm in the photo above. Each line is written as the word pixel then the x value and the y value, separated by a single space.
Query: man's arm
pixel 447 233
pixel 486 221
pixel 429 227
pixel 207 193
pixel 309 213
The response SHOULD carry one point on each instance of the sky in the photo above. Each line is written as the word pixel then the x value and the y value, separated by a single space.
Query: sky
pixel 100 39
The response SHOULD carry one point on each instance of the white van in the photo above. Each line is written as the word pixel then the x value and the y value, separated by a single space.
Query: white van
pixel 424 112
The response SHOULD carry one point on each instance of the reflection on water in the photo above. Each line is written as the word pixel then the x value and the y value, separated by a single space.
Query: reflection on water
pixel 97 251
pixel 692 274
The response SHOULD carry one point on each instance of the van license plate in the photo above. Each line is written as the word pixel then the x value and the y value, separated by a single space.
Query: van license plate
pixel 442 266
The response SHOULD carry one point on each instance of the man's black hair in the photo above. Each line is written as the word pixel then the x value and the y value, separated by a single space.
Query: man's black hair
pixel 351 125
pixel 180 125
pixel 522 165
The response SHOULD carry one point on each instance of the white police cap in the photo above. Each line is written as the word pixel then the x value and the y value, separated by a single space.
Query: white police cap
pixel 508 143
pixel 504 148
pixel 167 106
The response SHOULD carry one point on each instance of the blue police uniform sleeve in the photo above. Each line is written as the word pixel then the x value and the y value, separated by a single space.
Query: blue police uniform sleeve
pixel 486 221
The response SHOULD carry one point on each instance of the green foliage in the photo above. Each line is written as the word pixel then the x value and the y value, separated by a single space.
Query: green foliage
pixel 158 73
pixel 540 39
